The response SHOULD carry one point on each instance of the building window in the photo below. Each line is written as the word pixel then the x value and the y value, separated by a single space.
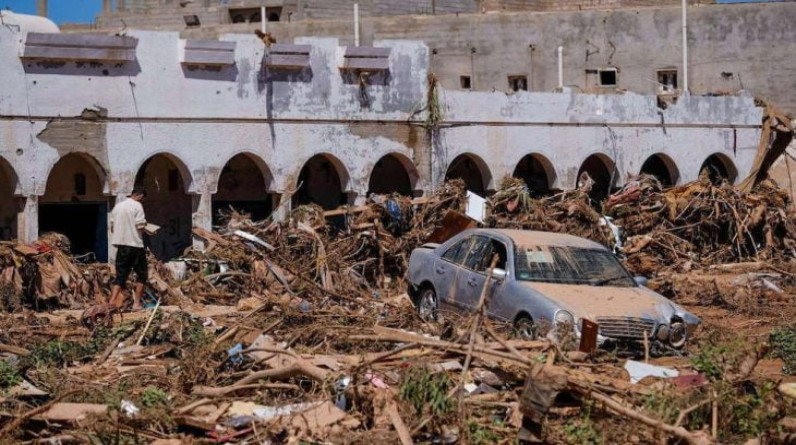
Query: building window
pixel 80 184
pixel 518 83
pixel 464 82
pixel 608 77
pixel 273 14
pixel 667 81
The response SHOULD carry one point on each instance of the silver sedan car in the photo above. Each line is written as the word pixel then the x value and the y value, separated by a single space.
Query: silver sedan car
pixel 542 283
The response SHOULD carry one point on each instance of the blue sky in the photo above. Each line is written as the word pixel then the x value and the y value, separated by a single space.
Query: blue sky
pixel 60 11
pixel 83 11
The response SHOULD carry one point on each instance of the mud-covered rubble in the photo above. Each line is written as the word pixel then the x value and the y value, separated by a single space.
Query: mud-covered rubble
pixel 301 331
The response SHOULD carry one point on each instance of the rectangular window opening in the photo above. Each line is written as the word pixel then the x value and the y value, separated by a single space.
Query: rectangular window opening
pixel 667 81
pixel 273 14
pixel 608 77
pixel 518 83
pixel 464 82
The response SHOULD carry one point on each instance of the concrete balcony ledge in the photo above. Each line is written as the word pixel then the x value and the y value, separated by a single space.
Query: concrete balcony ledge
pixel 79 47
pixel 207 52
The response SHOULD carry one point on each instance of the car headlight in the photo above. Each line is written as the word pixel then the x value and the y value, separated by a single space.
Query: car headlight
pixel 564 318
pixel 663 332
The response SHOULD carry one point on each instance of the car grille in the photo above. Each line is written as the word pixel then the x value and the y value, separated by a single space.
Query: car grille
pixel 625 327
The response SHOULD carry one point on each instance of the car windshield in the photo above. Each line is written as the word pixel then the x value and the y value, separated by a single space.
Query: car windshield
pixel 570 265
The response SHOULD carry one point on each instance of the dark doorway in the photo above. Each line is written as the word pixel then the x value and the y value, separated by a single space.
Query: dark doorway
pixel 320 184
pixel 662 168
pixel 8 203
pixel 167 205
pixel 390 176
pixel 719 168
pixel 602 172
pixel 242 186
pixel 74 205
pixel 85 224
pixel 533 171
pixel 466 168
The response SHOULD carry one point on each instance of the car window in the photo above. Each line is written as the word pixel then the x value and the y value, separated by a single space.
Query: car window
pixel 457 252
pixel 492 247
pixel 479 251
pixel 570 265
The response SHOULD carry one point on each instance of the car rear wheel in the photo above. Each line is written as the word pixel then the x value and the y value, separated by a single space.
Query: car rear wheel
pixel 526 328
pixel 427 304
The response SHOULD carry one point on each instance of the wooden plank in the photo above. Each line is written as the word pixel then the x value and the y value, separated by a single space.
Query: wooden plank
pixel 367 52
pixel 210 45
pixel 79 54
pixel 287 61
pixel 367 64
pixel 200 57
pixel 284 48
pixel 81 40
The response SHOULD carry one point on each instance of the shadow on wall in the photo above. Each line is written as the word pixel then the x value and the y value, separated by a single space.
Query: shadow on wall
pixel 224 73
pixel 95 69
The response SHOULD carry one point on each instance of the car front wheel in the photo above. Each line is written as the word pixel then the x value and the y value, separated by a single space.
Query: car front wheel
pixel 525 328
pixel 427 304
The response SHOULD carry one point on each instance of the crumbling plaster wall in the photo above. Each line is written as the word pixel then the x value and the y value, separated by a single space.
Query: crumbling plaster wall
pixel 123 115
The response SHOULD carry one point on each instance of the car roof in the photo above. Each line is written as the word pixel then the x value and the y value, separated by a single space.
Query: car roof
pixel 536 238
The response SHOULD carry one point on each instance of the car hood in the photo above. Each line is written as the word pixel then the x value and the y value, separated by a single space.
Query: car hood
pixel 605 301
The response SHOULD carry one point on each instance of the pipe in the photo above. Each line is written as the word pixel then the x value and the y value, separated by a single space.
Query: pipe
pixel 356 24
pixel 560 67
pixel 41 8
pixel 685 46
pixel 263 19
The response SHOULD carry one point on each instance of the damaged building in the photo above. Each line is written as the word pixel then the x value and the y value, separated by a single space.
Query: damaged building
pixel 212 124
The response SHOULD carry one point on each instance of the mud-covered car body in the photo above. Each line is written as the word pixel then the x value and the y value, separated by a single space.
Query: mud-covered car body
pixel 544 281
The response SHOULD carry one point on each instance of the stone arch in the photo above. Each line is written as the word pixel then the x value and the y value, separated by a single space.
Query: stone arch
pixel 394 173
pixel 662 167
pixel 167 204
pixel 538 173
pixel 64 183
pixel 322 180
pixel 719 167
pixel 75 204
pixel 243 184
pixel 472 170
pixel 9 183
pixel 604 174
pixel 185 176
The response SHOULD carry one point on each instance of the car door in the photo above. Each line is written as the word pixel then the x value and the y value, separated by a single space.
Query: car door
pixel 447 267
pixel 471 277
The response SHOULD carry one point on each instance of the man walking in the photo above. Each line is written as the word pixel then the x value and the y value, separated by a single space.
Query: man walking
pixel 127 227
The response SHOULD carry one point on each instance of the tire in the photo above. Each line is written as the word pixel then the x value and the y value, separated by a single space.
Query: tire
pixel 526 328
pixel 427 304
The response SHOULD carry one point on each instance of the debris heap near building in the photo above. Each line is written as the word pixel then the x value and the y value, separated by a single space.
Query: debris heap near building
pixel 300 331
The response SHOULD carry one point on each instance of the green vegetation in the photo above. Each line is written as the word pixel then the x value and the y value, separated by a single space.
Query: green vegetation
pixel 783 345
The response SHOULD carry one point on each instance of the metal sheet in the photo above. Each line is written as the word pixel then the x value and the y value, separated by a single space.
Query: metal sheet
pixel 287 61
pixel 367 52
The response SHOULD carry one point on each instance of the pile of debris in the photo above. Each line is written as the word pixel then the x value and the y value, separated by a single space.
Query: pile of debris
pixel 301 331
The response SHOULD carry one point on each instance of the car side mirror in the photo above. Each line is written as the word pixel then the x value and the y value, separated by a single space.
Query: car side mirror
pixel 641 281
pixel 499 274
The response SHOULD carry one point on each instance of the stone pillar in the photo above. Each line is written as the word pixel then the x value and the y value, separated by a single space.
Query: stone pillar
pixel 282 206
pixel 106 6
pixel 202 216
pixel 121 5
pixel 357 197
pixel 41 8
pixel 28 220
